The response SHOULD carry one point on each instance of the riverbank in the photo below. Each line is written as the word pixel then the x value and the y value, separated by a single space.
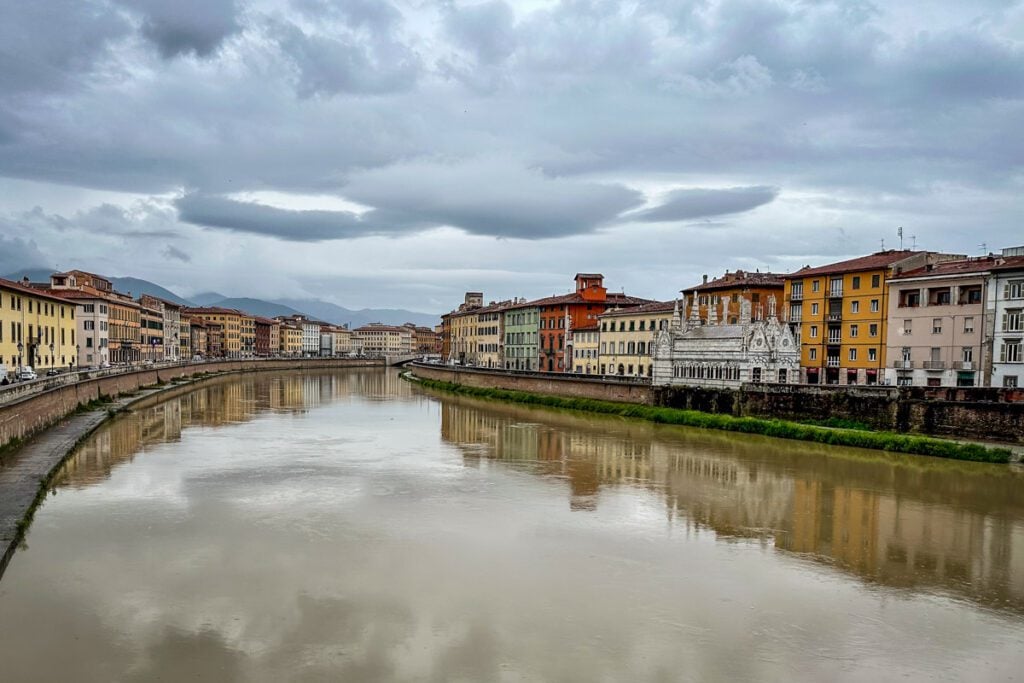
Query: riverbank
pixel 28 465
pixel 883 441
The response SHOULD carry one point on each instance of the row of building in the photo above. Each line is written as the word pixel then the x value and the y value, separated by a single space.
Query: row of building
pixel 897 317
pixel 79 319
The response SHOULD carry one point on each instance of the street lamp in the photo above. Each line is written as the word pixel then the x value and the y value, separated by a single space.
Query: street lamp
pixel 53 359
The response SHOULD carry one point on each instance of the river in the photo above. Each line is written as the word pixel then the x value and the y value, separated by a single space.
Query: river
pixel 347 525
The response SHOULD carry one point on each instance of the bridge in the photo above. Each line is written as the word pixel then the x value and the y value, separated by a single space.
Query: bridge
pixel 401 359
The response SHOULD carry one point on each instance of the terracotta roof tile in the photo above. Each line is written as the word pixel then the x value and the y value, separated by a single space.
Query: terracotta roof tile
pixel 876 261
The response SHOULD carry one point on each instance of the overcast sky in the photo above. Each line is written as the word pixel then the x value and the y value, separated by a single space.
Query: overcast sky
pixel 397 154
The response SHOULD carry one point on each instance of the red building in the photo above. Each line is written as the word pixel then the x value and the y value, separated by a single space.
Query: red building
pixel 572 311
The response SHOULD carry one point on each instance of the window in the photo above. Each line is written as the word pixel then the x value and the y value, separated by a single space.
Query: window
pixel 1014 289
pixel 815 285
pixel 642 325
pixel 910 298
pixel 875 280
pixel 814 309
pixel 905 354
pixel 1013 320
pixel 853 354
pixel 855 283
pixel 854 330
pixel 814 331
pixel 632 326
pixel 1010 381
pixel 873 330
pixel 854 307
pixel 1010 351
pixel 936 325
pixel 874 305
pixel 908 326
pixel 812 354
pixel 872 354
pixel 968 324
pixel 967 354
pixel 756 375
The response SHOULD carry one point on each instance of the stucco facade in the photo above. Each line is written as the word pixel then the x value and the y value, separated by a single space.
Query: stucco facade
pixel 627 337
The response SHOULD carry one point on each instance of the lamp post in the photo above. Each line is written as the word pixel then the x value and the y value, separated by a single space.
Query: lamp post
pixel 21 348
pixel 53 359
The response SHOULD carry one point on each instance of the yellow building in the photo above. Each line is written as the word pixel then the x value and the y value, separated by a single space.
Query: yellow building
pixel 627 338
pixel 291 340
pixel 463 329
pixel 489 336
pixel 37 329
pixel 838 313
pixel 585 342
pixel 230 321
pixel 247 334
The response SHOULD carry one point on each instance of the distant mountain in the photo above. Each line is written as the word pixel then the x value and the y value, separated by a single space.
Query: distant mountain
pixel 207 298
pixel 138 287
pixel 339 315
pixel 267 309
pixel 314 308
pixel 135 285
pixel 34 275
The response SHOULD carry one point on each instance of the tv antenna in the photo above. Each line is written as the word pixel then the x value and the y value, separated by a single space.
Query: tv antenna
pixel 883 244
pixel 913 242
pixel 984 248
pixel 899 231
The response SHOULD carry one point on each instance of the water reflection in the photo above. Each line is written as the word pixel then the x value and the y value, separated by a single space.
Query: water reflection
pixel 219 402
pixel 907 522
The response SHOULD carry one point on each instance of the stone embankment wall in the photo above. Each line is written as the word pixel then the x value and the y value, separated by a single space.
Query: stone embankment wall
pixel 21 418
pixel 969 413
pixel 538 383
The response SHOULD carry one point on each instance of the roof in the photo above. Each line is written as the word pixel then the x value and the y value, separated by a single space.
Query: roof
pixel 44 293
pixel 589 276
pixel 965 267
pixel 739 278
pixel 380 327
pixel 266 321
pixel 653 307
pixel 716 332
pixel 613 298
pixel 211 310
pixel 592 327
pixel 876 261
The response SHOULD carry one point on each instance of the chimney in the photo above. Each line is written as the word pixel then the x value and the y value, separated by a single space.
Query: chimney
pixel 705 278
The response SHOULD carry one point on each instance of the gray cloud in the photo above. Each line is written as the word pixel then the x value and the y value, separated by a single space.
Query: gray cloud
pixel 259 219
pixel 198 27
pixel 172 252
pixel 17 253
pixel 687 204
pixel 348 62
pixel 487 30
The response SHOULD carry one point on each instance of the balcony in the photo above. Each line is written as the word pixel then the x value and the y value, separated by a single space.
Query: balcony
pixel 835 341
pixel 963 365
pixel 903 364
pixel 834 317
pixel 935 365
pixel 796 296
pixel 835 292
pixel 832 362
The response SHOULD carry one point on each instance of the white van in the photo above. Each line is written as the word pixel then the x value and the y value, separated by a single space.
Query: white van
pixel 25 373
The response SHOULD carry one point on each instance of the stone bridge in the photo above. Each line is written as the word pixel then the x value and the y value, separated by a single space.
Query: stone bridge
pixel 401 359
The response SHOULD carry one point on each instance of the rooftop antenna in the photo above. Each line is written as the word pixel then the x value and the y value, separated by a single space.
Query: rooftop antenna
pixel 984 248
pixel 899 231
pixel 883 244
pixel 913 242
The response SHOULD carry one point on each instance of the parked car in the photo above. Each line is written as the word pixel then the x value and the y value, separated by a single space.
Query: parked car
pixel 52 372
pixel 26 373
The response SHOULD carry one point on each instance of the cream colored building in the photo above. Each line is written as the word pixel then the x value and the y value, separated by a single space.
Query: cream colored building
pixel 381 340
pixel 291 339
pixel 586 343
pixel 627 338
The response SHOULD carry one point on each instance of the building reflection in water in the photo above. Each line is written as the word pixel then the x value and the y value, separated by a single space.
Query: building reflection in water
pixel 902 521
pixel 221 401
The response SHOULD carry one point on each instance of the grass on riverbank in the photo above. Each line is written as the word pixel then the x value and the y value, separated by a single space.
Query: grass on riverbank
pixel 858 438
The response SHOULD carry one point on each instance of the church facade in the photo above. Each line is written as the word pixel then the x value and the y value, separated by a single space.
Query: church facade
pixel 707 353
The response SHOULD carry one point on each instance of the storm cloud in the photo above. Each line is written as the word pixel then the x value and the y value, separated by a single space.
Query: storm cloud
pixel 430 129
pixel 701 203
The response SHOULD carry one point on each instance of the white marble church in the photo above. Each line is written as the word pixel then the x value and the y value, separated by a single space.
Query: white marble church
pixel 708 353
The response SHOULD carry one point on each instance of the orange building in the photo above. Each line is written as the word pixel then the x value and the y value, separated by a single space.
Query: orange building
pixel 577 310
pixel 724 293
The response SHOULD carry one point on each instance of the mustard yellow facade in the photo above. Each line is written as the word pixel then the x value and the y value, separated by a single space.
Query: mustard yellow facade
pixel 465 340
pixel 36 329
pixel 839 313
pixel 627 338
pixel 291 340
